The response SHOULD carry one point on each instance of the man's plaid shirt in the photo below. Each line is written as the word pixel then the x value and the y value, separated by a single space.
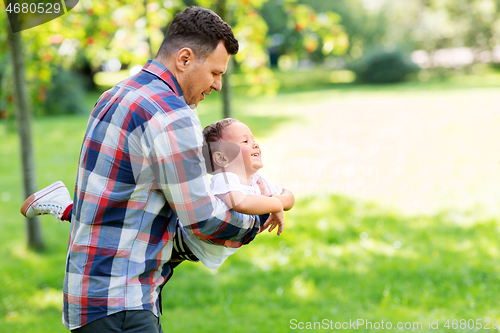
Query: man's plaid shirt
pixel 141 167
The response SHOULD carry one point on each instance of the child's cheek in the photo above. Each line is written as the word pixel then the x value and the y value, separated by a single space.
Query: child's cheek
pixel 246 155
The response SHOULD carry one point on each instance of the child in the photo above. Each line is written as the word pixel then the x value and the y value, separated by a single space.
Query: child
pixel 236 181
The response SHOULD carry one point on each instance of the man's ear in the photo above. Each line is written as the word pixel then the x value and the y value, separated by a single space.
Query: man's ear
pixel 220 159
pixel 184 58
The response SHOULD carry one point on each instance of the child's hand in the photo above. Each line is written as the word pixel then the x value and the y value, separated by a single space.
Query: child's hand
pixel 276 220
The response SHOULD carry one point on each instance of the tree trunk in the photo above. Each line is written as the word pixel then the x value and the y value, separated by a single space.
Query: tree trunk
pixel 23 116
pixel 222 10
pixel 226 90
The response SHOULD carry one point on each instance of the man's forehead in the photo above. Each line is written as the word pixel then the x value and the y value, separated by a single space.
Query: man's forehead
pixel 219 58
pixel 219 66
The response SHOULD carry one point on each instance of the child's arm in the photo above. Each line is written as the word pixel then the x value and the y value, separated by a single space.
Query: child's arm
pixel 287 199
pixel 257 205
pixel 251 204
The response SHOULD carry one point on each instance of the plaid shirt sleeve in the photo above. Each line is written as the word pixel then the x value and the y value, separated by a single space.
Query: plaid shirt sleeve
pixel 141 164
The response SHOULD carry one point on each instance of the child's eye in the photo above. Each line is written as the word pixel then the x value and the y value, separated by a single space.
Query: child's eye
pixel 246 141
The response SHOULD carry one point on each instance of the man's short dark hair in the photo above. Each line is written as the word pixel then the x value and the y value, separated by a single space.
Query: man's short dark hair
pixel 201 30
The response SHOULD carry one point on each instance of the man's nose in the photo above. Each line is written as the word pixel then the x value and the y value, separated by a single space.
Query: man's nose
pixel 217 85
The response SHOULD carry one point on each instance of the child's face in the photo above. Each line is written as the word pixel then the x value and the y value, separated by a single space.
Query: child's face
pixel 239 133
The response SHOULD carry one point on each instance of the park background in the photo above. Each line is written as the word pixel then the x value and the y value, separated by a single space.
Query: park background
pixel 381 116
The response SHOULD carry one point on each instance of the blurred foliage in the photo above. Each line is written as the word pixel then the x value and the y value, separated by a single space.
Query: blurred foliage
pixel 416 24
pixel 457 23
pixel 371 23
pixel 383 66
pixel 5 87
pixel 304 32
pixel 83 39
pixel 298 29
pixel 65 93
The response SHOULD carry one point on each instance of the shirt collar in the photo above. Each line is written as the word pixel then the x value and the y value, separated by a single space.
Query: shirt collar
pixel 157 69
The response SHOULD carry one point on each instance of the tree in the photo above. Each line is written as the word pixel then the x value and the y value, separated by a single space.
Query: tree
pixel 23 115
pixel 222 10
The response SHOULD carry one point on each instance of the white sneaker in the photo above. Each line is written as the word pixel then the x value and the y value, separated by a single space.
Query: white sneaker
pixel 54 199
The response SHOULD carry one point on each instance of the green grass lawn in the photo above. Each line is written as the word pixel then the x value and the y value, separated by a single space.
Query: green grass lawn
pixel 338 259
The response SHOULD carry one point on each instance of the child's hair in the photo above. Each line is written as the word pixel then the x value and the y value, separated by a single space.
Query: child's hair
pixel 213 132
pixel 212 135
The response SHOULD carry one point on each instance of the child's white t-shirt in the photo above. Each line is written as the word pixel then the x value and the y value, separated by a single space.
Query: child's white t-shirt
pixel 212 255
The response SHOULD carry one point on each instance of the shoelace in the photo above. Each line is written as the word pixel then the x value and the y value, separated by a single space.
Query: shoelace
pixel 55 210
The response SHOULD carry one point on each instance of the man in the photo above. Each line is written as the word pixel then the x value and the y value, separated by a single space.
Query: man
pixel 141 167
